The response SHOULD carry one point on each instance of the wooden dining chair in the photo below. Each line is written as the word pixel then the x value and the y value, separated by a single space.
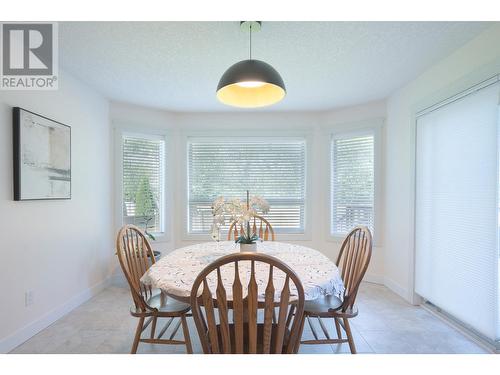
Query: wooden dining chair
pixel 258 225
pixel 352 262
pixel 247 333
pixel 136 256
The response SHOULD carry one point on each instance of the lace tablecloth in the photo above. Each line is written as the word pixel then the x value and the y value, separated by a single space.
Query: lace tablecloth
pixel 175 273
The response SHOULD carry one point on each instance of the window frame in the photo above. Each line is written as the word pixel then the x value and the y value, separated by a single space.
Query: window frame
pixel 186 137
pixel 374 127
pixel 133 131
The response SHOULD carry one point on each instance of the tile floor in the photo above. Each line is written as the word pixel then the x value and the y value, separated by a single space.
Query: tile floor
pixel 386 324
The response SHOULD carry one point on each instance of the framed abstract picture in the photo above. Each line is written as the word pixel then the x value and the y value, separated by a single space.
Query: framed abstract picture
pixel 42 157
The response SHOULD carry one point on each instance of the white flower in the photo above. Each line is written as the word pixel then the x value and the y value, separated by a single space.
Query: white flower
pixel 237 211
pixel 219 219
pixel 259 203
pixel 218 206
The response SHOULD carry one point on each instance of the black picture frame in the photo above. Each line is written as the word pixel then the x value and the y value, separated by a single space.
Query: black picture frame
pixel 17 113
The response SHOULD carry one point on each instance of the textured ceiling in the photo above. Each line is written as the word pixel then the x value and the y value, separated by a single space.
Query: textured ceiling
pixel 177 65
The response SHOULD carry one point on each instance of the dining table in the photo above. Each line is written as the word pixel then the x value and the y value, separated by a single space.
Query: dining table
pixel 175 273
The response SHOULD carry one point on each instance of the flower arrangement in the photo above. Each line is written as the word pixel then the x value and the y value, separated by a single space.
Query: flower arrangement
pixel 239 211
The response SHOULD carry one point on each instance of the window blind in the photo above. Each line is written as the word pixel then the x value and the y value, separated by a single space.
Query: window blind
pixel 274 170
pixel 456 221
pixel 143 165
pixel 352 182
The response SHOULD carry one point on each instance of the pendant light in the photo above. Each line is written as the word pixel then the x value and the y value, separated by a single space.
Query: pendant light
pixel 250 83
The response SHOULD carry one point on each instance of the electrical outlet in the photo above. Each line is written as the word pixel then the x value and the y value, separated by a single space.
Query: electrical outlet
pixel 28 298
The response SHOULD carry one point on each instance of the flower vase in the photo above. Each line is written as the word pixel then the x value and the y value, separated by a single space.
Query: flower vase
pixel 248 247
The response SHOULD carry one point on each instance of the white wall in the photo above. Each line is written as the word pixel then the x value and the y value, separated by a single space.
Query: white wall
pixel 474 62
pixel 61 250
pixel 316 125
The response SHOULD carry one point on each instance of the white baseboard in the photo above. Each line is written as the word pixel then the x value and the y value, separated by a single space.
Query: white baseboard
pixel 118 278
pixel 17 338
pixel 375 279
pixel 390 284
pixel 396 288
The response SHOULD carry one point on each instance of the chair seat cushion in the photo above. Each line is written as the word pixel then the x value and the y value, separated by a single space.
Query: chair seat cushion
pixel 172 306
pixel 322 305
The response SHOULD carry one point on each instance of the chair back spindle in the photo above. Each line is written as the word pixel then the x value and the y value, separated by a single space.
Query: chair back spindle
pixel 258 225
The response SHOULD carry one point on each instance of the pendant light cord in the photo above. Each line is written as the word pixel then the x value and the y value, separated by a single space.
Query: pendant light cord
pixel 250 41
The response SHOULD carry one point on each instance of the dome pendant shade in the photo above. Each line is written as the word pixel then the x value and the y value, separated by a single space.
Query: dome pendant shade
pixel 251 84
